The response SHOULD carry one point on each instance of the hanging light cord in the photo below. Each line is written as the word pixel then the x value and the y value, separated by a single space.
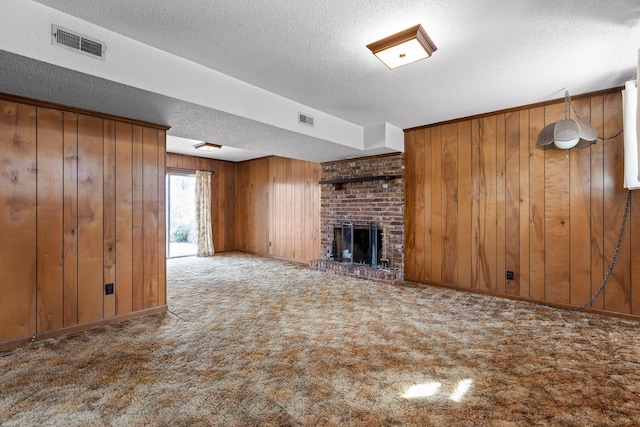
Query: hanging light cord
pixel 613 259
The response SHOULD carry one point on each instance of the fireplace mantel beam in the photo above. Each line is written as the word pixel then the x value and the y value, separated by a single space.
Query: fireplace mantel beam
pixel 361 179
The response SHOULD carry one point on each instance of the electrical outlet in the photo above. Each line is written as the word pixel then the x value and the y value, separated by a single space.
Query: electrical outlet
pixel 509 275
pixel 108 289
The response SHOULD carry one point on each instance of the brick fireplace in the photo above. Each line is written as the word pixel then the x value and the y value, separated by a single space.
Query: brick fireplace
pixel 363 192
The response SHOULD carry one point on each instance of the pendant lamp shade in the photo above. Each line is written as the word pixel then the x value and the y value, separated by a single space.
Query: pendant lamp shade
pixel 566 134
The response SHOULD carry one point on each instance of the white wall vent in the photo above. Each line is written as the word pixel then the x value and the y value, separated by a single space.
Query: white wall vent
pixel 77 42
pixel 305 119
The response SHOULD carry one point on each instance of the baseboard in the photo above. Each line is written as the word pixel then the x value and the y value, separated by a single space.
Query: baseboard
pixel 15 342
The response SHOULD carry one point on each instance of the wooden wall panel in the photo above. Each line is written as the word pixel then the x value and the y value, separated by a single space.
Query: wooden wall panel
pixel 487 205
pixel 580 211
pixel 138 221
pixel 69 192
pixel 422 198
pixel 70 184
pixel 109 227
pixel 18 165
pixel 597 202
pixel 617 295
pixel 150 217
pixel 450 203
pixel 522 275
pixel 161 237
pixel 90 219
pixel 556 217
pixel 464 204
pixel 124 217
pixel 500 203
pixel 410 204
pixel 278 208
pixel 551 217
pixel 50 179
pixel 512 202
pixel 536 207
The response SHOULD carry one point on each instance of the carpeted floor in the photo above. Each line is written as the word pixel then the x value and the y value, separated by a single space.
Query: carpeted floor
pixel 252 341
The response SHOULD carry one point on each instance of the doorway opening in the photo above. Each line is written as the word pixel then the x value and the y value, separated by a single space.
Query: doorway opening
pixel 181 215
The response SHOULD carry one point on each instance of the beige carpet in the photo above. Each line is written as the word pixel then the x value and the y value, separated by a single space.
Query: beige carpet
pixel 251 341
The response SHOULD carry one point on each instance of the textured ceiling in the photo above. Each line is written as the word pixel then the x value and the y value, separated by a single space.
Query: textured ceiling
pixel 491 55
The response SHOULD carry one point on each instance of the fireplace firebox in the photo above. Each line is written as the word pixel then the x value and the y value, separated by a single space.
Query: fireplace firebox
pixel 357 244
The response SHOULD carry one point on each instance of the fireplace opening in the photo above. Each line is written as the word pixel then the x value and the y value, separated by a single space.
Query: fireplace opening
pixel 357 244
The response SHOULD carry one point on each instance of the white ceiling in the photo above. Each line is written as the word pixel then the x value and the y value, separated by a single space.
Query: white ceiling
pixel 311 56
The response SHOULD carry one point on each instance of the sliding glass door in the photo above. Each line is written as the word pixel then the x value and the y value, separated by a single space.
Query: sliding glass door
pixel 181 215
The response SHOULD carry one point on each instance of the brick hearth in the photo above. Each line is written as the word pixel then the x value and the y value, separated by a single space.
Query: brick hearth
pixel 379 201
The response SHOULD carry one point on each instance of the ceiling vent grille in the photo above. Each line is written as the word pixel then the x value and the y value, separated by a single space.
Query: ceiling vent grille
pixel 305 119
pixel 77 42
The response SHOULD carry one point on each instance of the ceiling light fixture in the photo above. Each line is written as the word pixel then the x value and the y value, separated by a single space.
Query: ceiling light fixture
pixel 207 146
pixel 410 45
pixel 567 133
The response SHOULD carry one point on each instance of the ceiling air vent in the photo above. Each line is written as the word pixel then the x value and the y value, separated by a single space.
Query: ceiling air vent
pixel 305 120
pixel 77 42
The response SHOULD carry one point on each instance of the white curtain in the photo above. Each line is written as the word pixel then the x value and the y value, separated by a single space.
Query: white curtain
pixel 203 213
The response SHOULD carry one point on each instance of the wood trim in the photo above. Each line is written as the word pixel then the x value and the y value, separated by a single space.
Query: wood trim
pixel 518 109
pixel 70 109
pixel 12 343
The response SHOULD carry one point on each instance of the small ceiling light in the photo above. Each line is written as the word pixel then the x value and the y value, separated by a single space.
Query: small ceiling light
pixel 410 45
pixel 207 146
pixel 567 133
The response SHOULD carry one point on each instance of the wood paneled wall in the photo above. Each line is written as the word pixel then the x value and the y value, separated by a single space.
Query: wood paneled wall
pixel 81 205
pixel 223 182
pixel 481 199
pixel 278 208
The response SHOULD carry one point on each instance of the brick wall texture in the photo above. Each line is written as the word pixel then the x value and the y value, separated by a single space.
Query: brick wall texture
pixel 380 202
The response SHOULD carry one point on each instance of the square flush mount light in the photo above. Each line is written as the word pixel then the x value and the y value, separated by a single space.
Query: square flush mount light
pixel 207 146
pixel 410 45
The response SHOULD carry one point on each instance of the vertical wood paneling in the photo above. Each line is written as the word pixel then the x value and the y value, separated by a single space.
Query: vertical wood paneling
pixel 17 220
pixel 597 201
pixel 410 203
pixel 109 229
pixel 580 210
pixel 124 218
pixel 50 289
pixel 556 217
pixel 512 202
pixel 464 204
pixel 69 195
pixel 500 203
pixel 150 216
pixel 422 228
pixel 617 295
pixel 522 274
pixel 487 205
pixel 550 217
pixel 436 204
pixel 90 219
pixel 536 207
pixel 476 136
pixel 450 203
pixel 138 220
pixel 70 250
pixel 161 237
pixel 277 199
